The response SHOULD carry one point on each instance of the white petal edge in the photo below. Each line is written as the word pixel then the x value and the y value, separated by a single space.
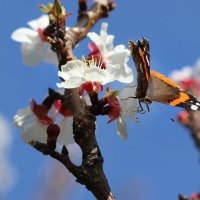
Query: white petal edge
pixel 32 54
pixel 24 35
pixel 50 57
pixel 66 134
pixel 182 74
pixel 96 74
pixel 71 82
pixel 95 38
pixel 34 132
pixel 39 23
pixel 122 128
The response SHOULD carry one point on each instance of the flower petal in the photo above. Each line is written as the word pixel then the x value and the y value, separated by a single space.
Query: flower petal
pixel 180 75
pixel 129 106
pixel 103 41
pixel 39 23
pixel 126 74
pixel 114 58
pixel 128 91
pixel 121 128
pixel 72 73
pixel 50 57
pixel 95 74
pixel 66 134
pixel 71 82
pixel 107 39
pixel 34 132
pixel 22 116
pixel 95 38
pixel 74 67
pixel 32 53
pixel 119 55
pixel 112 73
pixel 24 35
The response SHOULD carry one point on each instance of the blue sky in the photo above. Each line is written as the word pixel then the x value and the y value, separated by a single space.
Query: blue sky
pixel 159 157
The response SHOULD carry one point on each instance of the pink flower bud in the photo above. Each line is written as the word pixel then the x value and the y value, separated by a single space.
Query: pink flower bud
pixel 53 131
pixel 183 117
pixel 41 112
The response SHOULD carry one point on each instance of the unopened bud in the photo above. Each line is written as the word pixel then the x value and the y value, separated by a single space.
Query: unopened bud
pixel 53 131
pixel 184 117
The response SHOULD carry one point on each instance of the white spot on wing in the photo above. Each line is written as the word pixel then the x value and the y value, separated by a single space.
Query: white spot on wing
pixel 197 103
pixel 194 107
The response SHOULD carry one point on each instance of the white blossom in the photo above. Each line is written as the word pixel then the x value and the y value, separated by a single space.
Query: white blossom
pixel 129 108
pixel 77 72
pixel 118 55
pixel 181 75
pixel 196 72
pixel 34 48
pixel 33 130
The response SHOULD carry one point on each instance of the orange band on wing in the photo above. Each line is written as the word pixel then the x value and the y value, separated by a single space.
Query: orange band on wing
pixel 183 98
pixel 164 78
pixel 145 65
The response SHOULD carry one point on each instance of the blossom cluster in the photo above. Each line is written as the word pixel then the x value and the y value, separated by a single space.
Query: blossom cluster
pixel 34 45
pixel 188 78
pixel 106 63
pixel 36 119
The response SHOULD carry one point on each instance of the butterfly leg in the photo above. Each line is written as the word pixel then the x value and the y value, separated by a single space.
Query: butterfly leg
pixel 147 106
pixel 141 110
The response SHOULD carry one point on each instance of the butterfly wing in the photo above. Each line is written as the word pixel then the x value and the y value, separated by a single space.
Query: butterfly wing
pixel 140 55
pixel 163 90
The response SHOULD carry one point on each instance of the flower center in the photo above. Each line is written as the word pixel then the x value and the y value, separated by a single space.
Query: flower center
pixel 96 55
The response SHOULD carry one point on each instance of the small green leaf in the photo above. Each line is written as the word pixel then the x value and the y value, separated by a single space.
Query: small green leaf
pixel 50 6
pixel 115 93
pixel 44 8
pixel 63 10
pixel 58 7
pixel 111 93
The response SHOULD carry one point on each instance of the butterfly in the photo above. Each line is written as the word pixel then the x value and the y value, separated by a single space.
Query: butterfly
pixel 153 86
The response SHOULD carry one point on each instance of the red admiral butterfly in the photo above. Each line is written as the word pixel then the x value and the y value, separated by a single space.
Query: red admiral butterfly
pixel 153 86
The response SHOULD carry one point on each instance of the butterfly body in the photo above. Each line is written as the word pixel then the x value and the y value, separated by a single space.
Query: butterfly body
pixel 153 86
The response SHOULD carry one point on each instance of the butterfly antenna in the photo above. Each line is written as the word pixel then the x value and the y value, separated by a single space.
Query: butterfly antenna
pixel 164 111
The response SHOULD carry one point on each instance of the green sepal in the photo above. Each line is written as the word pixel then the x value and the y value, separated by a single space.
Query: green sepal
pixel 59 9
pixel 46 9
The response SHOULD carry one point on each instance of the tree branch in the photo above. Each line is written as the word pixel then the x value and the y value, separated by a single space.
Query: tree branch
pixel 181 197
pixel 90 173
pixel 92 161
pixel 62 157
